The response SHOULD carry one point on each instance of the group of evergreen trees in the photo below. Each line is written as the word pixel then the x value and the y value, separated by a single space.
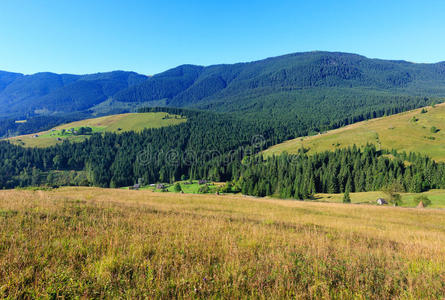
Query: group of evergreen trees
pixel 162 154
pixel 218 147
pixel 341 171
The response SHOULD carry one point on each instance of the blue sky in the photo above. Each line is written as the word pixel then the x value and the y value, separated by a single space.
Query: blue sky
pixel 87 36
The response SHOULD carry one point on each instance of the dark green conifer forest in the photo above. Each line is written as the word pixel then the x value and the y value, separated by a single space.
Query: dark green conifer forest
pixel 218 147
pixel 233 113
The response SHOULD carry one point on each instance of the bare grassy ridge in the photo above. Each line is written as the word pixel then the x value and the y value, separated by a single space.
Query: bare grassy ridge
pixel 408 131
pixel 95 242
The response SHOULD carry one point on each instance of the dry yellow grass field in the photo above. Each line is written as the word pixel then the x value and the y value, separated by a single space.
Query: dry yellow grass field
pixel 398 132
pixel 106 243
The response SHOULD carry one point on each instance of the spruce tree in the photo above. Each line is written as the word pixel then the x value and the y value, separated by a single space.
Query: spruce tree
pixel 346 197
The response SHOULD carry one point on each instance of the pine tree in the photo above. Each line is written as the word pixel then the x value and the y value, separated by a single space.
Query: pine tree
pixel 333 184
pixel 346 197
pixel 178 187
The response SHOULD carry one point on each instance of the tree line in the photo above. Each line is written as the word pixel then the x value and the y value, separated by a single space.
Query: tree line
pixel 218 147
pixel 341 171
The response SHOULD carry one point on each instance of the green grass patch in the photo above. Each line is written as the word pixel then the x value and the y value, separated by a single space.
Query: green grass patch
pixel 188 187
pixel 393 132
pixel 114 123
pixel 437 198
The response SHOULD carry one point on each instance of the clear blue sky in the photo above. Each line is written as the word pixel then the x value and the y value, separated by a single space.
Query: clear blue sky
pixel 86 36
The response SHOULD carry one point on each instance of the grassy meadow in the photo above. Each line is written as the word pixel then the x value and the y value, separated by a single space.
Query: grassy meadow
pixel 437 198
pixel 113 123
pixel 187 187
pixel 408 131
pixel 115 243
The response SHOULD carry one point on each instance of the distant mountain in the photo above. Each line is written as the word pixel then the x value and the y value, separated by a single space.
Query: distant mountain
pixel 332 84
pixel 24 95
pixel 226 87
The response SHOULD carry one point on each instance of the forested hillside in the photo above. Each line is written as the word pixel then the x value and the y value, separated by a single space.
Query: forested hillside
pixel 48 93
pixel 346 170
pixel 163 154
pixel 240 110
pixel 335 86
pixel 293 86
pixel 218 147
pixel 194 85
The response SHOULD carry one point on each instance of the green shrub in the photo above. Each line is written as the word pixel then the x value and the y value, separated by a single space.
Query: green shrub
pixel 346 197
pixel 178 187
pixel 425 200
pixel 392 192
pixel 434 129
pixel 227 188
pixel 204 189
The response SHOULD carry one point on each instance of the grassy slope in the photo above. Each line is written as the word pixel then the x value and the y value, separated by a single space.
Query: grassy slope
pixel 186 188
pixel 397 131
pixel 107 243
pixel 437 198
pixel 127 122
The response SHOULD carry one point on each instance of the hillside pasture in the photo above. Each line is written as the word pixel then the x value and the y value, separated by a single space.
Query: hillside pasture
pixel 187 187
pixel 409 131
pixel 114 123
pixel 437 198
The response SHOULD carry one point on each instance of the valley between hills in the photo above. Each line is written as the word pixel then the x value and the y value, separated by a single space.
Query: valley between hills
pixel 308 175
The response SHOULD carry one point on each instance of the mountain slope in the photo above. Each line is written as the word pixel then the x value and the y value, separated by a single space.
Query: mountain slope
pixel 114 123
pixel 305 91
pixel 223 87
pixel 6 78
pixel 314 89
pixel 420 130
pixel 24 95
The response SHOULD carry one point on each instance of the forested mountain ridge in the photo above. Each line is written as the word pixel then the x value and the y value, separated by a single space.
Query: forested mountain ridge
pixel 301 91
pixel 287 86
pixel 217 85
pixel 320 90
pixel 28 95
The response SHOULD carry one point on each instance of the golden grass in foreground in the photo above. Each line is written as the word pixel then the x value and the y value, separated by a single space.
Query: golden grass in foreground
pixel 92 242
pixel 398 132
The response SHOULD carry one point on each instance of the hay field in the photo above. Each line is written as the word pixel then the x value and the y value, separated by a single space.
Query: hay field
pixel 114 243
